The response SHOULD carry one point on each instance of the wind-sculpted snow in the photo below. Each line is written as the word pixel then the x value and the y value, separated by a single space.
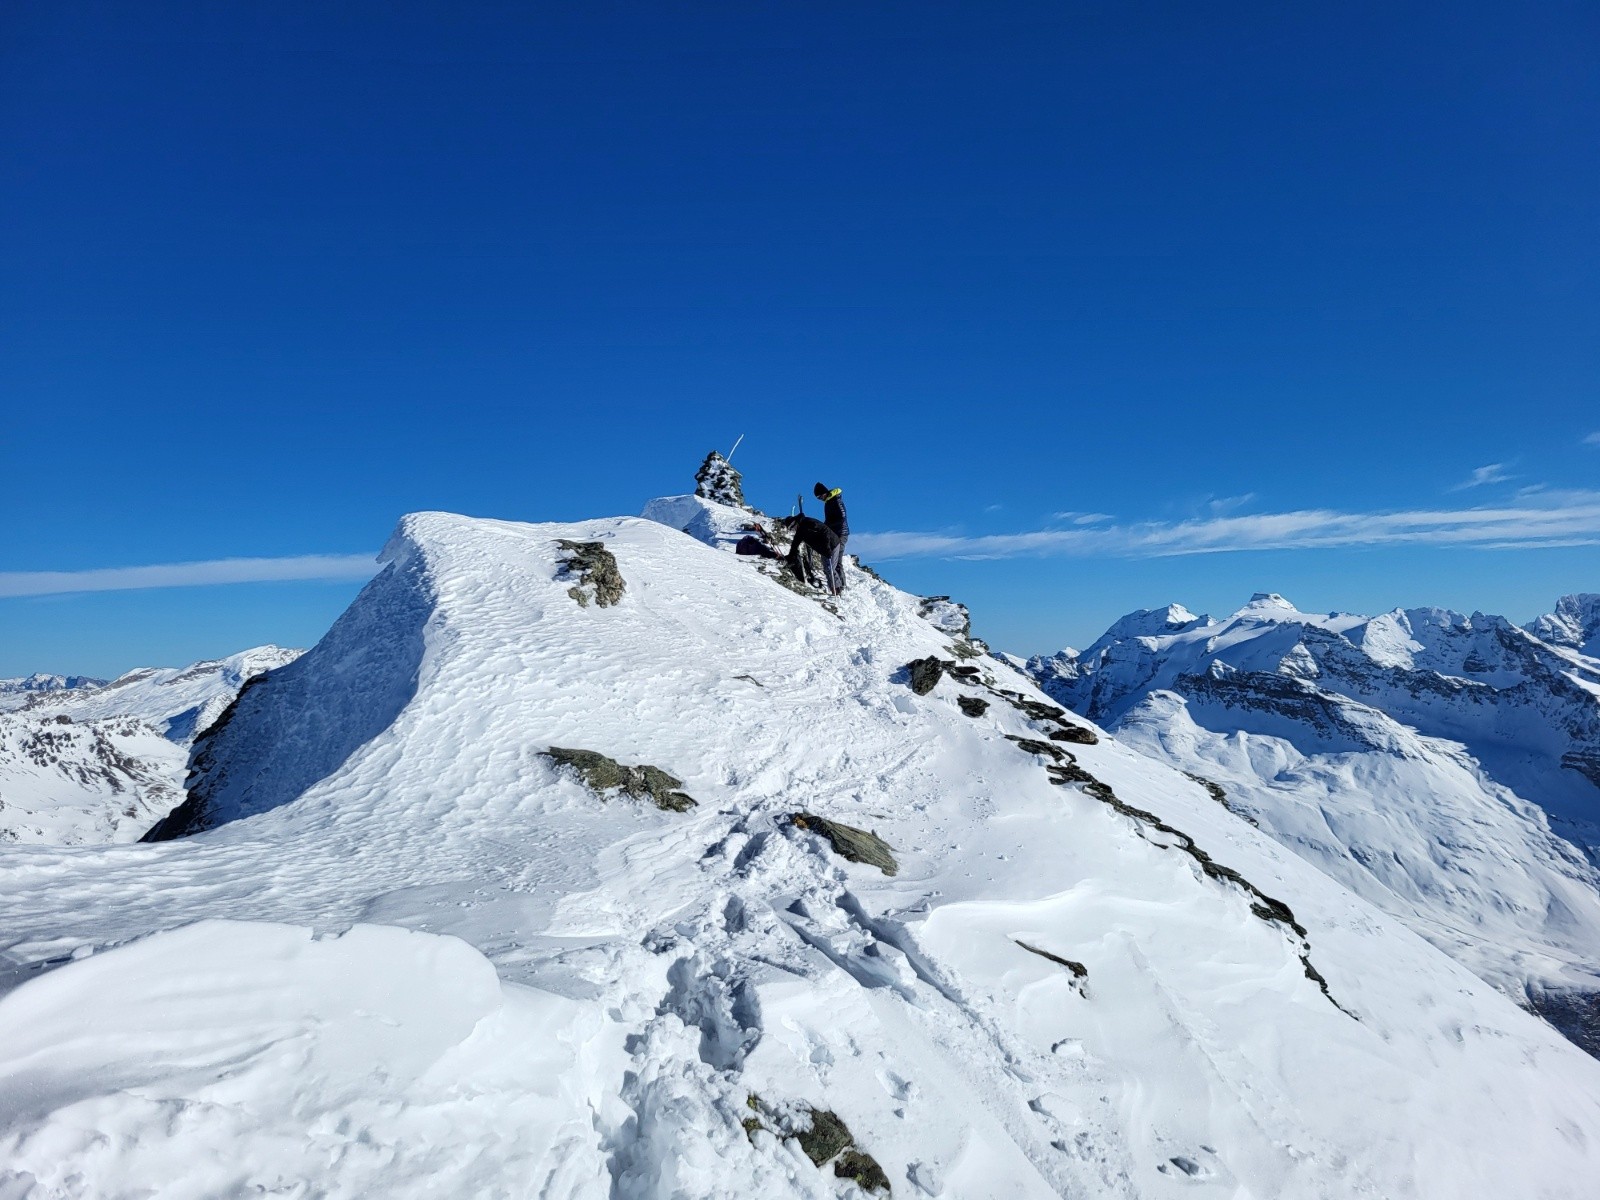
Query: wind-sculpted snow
pixel 1432 762
pixel 430 960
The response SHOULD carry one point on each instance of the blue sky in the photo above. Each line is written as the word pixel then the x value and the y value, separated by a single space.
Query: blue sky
pixel 1087 307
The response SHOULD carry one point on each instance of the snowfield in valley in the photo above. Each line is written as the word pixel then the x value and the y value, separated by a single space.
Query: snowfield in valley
pixel 409 954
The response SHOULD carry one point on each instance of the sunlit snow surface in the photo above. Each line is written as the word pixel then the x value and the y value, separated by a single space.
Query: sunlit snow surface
pixel 446 969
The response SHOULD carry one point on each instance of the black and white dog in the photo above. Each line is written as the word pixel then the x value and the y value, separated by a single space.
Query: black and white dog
pixel 813 535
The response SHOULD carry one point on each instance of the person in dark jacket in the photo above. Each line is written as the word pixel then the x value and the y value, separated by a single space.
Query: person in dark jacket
pixel 834 518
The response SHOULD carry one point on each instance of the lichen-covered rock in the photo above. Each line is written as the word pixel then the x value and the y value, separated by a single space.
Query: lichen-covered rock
pixel 826 1136
pixel 595 569
pixel 864 1169
pixel 925 674
pixel 848 842
pixel 972 706
pixel 717 480
pixel 602 775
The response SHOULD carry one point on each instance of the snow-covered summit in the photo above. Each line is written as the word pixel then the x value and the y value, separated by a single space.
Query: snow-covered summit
pixel 414 953
pixel 704 520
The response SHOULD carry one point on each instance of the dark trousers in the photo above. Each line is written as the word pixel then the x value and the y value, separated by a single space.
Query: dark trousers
pixel 836 566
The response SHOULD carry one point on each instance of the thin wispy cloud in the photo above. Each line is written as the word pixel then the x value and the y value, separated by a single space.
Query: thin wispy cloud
pixel 1493 473
pixel 301 568
pixel 1543 519
pixel 1083 518
pixel 1221 505
pixel 1593 439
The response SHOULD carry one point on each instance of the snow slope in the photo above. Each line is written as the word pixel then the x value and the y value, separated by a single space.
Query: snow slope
pixel 85 762
pixel 411 956
pixel 1422 758
pixel 72 783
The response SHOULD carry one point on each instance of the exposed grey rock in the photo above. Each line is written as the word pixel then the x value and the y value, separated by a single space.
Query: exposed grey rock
pixel 1035 746
pixel 1079 971
pixel 1220 795
pixel 925 674
pixel 601 775
pixel 972 706
pixel 1080 735
pixel 848 842
pixel 595 568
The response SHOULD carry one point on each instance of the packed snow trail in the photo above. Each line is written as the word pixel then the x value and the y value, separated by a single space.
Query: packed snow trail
pixel 413 957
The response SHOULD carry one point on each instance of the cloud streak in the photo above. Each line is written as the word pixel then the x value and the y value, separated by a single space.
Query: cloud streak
pixel 302 568
pixel 1544 519
pixel 1493 473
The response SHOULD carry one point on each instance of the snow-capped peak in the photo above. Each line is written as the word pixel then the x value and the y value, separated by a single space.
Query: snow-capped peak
pixel 1270 605
pixel 1575 623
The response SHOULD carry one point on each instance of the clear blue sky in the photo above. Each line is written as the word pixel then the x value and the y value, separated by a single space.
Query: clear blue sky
pixel 1313 287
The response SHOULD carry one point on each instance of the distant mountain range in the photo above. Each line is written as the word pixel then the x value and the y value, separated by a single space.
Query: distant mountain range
pixel 1445 767
pixel 86 761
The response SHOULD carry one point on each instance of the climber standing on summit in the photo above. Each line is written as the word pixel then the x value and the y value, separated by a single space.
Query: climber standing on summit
pixel 833 517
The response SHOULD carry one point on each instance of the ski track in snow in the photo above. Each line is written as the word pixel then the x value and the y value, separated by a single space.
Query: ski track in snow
pixel 449 969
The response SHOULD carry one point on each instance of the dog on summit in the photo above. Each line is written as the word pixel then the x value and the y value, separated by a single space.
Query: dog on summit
pixel 811 534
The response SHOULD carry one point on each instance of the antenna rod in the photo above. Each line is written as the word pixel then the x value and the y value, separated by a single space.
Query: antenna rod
pixel 735 447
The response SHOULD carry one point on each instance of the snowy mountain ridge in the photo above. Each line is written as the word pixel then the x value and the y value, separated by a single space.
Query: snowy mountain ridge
pixel 179 701
pixel 1441 765
pixel 706 886
pixel 89 762
pixel 14 693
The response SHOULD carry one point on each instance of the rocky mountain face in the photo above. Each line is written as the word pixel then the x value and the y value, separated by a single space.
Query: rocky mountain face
pixel 68 783
pixel 87 762
pixel 1441 765
pixel 726 889
pixel 1575 624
